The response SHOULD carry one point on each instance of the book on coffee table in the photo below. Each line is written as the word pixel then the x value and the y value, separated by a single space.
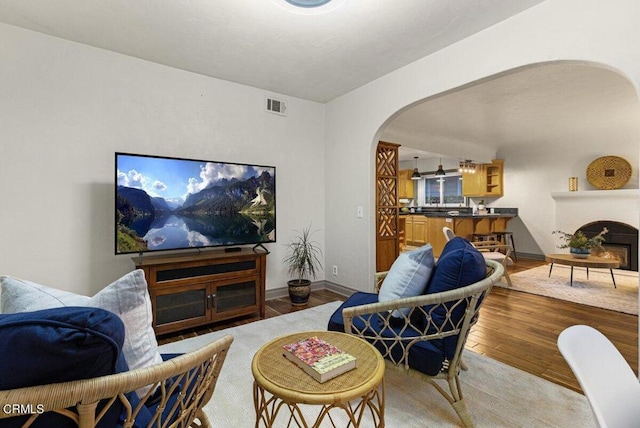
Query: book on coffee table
pixel 318 358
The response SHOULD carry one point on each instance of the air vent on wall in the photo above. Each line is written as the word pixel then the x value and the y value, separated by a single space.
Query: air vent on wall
pixel 276 106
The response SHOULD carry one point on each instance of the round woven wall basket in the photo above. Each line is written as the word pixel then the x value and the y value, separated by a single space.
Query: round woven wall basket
pixel 609 172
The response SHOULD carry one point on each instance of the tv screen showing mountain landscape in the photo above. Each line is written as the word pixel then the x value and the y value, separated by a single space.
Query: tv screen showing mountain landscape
pixel 168 203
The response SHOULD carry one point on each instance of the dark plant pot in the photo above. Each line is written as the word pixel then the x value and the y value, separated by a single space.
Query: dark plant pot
pixel 299 291
pixel 580 253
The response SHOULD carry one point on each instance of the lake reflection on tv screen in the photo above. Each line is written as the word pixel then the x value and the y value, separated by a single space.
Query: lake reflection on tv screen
pixel 180 232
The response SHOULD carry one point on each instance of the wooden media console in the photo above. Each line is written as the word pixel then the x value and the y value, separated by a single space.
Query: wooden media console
pixel 190 290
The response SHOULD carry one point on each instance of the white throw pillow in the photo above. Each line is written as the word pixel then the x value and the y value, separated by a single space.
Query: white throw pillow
pixel 127 297
pixel 408 276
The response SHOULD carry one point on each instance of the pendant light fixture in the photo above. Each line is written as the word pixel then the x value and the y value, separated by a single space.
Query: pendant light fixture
pixel 467 166
pixel 416 175
pixel 440 171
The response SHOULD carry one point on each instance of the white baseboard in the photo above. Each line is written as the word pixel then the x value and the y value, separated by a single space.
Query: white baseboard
pixel 530 256
pixel 278 293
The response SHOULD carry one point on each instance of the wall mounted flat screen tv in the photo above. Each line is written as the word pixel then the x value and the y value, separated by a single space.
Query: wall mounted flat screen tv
pixel 165 203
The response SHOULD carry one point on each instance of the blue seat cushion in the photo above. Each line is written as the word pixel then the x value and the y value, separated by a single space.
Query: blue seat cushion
pixel 426 357
pixel 336 322
pixel 152 403
pixel 59 345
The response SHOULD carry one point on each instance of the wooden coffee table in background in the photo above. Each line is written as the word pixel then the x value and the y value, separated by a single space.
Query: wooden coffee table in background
pixel 280 384
pixel 590 262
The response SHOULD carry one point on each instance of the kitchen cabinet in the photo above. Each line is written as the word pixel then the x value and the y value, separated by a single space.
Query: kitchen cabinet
pixel 494 178
pixel 405 184
pixel 408 229
pixel 421 230
pixel 416 230
pixel 472 185
pixel 420 236
pixel 486 182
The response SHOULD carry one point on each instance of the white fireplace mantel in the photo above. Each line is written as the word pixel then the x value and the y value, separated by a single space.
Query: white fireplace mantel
pixel 599 194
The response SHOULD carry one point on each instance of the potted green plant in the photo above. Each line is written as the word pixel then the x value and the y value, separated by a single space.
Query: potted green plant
pixel 579 245
pixel 303 262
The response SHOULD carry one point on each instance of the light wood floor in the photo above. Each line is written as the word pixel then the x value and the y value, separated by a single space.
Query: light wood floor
pixel 519 329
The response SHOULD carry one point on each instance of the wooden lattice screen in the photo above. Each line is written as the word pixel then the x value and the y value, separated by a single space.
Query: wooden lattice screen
pixel 386 205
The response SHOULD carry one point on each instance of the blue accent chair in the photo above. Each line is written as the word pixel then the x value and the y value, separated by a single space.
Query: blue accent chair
pixel 64 367
pixel 424 335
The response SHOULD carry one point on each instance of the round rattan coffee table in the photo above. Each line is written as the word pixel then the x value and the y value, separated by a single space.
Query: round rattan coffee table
pixel 279 384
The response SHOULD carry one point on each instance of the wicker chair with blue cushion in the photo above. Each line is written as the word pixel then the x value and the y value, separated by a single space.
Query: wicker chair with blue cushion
pixel 64 367
pixel 424 335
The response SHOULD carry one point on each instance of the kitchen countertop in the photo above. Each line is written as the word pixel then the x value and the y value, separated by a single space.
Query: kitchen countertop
pixel 466 213
pixel 461 215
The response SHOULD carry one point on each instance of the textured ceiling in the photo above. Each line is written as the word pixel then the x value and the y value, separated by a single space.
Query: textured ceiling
pixel 263 44
pixel 542 105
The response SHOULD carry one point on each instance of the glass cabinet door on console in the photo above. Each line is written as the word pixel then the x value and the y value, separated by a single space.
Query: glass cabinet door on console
pixel 233 296
pixel 180 307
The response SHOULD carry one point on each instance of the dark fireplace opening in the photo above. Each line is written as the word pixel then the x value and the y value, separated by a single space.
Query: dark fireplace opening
pixel 621 242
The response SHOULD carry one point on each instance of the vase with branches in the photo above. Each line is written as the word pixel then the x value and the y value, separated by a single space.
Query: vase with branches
pixel 303 263
pixel 579 244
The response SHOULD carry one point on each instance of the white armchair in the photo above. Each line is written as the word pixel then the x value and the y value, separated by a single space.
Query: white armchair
pixel 607 381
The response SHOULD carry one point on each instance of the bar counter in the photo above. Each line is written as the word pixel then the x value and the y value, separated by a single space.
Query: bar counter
pixel 420 228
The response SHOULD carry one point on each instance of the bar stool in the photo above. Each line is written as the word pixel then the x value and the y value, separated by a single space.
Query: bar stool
pixel 504 236
pixel 507 237
pixel 485 236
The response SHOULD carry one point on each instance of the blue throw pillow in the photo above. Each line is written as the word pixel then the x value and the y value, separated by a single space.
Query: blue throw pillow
pixel 460 264
pixel 59 345
pixel 455 244
pixel 408 277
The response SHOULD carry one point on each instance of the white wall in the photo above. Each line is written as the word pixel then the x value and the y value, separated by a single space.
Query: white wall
pixel 582 30
pixel 532 175
pixel 65 108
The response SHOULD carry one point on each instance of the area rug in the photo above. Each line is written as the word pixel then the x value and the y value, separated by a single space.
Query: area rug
pixel 596 291
pixel 497 395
